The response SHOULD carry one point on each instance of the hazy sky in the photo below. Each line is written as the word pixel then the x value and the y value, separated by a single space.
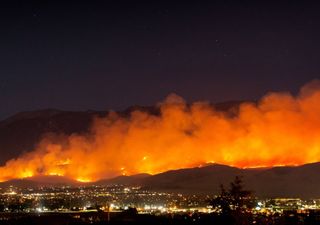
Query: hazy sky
pixel 102 55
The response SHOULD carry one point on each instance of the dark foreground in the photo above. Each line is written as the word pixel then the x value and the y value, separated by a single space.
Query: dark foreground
pixel 97 218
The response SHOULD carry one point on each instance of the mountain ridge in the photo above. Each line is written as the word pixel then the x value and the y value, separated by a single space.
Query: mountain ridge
pixel 285 181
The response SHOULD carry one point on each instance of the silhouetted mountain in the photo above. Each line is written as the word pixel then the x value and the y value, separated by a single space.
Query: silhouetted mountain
pixel 22 132
pixel 20 183
pixel 40 181
pixel 54 180
pixel 137 179
pixel 204 180
pixel 195 180
pixel 301 181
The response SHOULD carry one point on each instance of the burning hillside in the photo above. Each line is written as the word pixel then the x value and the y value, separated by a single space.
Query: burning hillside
pixel 281 129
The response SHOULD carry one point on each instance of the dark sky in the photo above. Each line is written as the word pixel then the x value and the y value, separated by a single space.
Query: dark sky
pixel 113 54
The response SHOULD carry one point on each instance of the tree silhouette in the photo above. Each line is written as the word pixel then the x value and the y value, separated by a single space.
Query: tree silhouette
pixel 241 199
pixel 235 203
pixel 222 202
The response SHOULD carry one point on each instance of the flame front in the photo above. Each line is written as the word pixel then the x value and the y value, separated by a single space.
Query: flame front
pixel 279 130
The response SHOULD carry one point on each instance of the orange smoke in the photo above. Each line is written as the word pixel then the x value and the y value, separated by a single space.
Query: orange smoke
pixel 279 130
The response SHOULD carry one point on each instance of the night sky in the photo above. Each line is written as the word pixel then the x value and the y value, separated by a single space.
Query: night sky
pixel 103 55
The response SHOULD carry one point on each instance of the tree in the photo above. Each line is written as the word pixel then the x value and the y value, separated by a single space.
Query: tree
pixel 222 201
pixel 241 199
pixel 235 203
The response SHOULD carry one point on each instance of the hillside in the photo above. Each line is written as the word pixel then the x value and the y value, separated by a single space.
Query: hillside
pixel 301 181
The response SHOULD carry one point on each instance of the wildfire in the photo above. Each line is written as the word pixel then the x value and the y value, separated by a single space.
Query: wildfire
pixel 83 180
pixel 281 129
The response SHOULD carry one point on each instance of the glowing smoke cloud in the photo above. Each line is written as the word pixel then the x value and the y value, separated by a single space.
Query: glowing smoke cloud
pixel 279 130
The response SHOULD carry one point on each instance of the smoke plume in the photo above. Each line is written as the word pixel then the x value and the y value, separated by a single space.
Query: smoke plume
pixel 281 129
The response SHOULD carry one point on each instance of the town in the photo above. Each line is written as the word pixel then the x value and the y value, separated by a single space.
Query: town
pixel 92 204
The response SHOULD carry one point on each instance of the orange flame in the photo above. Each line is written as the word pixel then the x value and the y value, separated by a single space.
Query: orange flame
pixel 279 130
